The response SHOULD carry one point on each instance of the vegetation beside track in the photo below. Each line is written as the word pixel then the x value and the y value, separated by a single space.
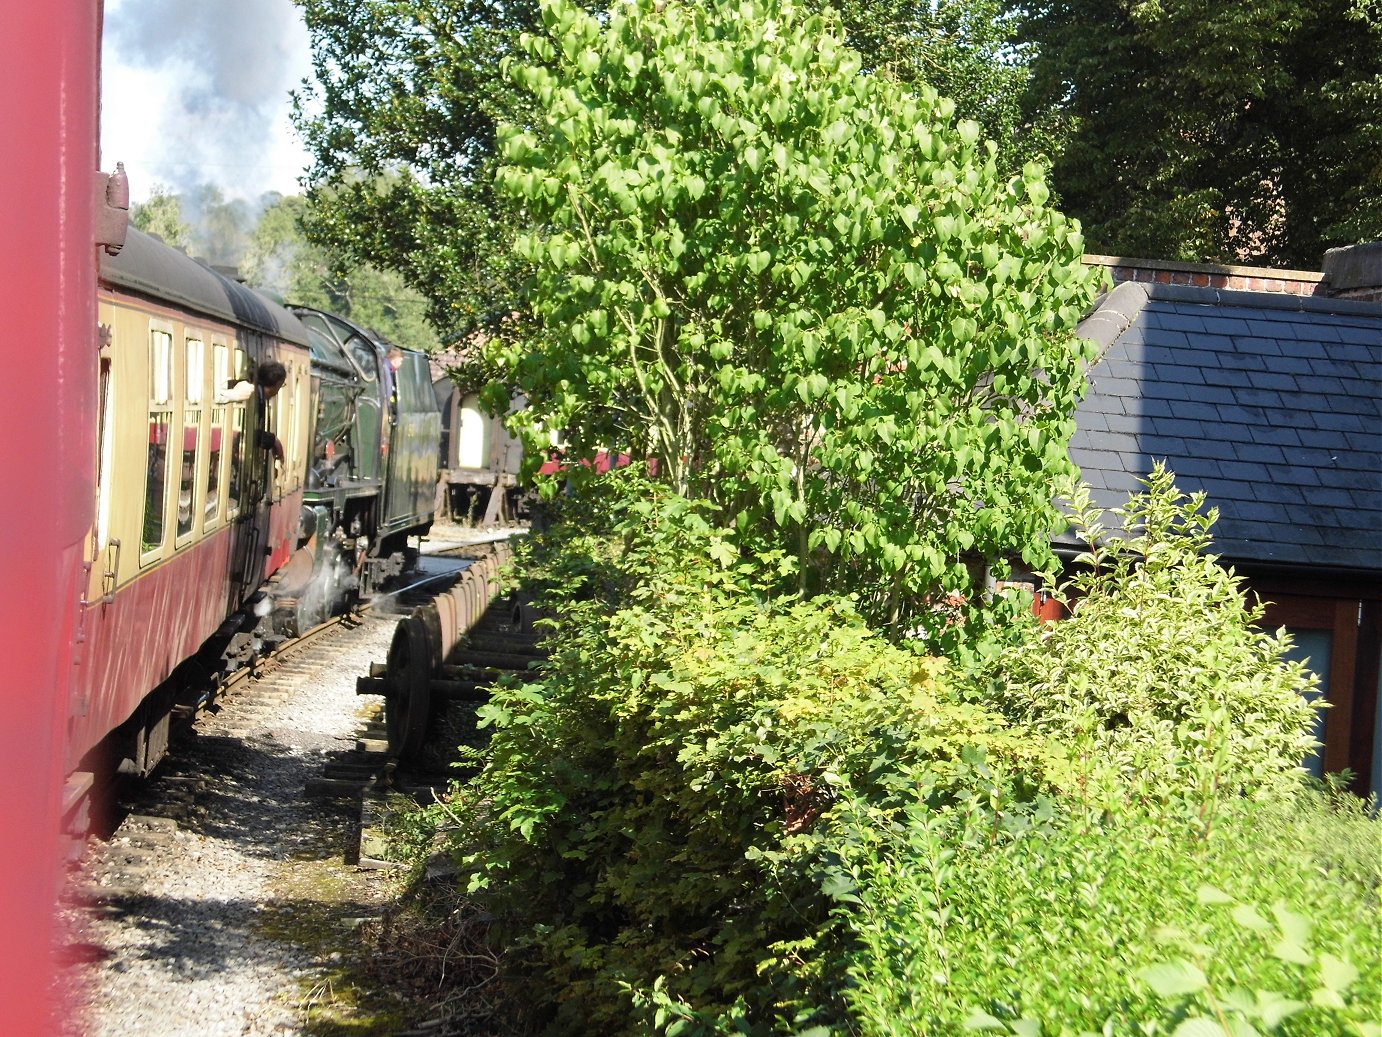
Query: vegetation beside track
pixel 722 811
pixel 793 767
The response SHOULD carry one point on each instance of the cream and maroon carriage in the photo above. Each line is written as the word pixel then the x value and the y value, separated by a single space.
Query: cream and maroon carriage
pixel 193 512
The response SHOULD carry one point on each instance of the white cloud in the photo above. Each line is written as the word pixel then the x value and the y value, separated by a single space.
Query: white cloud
pixel 196 91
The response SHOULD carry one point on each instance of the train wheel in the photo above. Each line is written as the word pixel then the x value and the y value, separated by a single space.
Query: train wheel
pixel 408 701
pixel 311 611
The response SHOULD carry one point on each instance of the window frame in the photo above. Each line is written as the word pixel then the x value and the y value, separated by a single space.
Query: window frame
pixel 159 402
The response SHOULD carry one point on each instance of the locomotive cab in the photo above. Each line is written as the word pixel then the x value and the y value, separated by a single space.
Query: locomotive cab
pixel 372 471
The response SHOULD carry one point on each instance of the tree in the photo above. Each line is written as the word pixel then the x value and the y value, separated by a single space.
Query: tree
pixel 401 114
pixel 1225 132
pixel 804 291
pixel 400 121
pixel 966 50
pixel 162 215
pixel 280 259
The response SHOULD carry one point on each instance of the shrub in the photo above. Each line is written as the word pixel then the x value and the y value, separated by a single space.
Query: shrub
pixel 647 814
pixel 1124 926
pixel 1161 683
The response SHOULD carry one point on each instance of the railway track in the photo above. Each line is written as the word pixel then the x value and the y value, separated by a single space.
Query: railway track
pixel 189 917
pixel 251 690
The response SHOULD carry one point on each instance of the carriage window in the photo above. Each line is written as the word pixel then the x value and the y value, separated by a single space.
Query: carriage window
pixel 160 368
pixel 220 367
pixel 196 370
pixel 278 424
pixel 160 425
pixel 220 378
pixel 191 436
pixel 237 437
pixel 213 467
pixel 187 482
pixel 156 480
pixel 106 454
pixel 237 456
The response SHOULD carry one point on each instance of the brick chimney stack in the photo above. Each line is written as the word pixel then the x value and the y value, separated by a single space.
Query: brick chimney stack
pixel 1354 272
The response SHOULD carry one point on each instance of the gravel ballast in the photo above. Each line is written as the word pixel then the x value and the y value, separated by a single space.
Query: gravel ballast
pixel 221 921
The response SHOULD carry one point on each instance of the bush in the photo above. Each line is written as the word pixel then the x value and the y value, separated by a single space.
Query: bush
pixel 1122 926
pixel 649 806
pixel 1160 682
pixel 719 812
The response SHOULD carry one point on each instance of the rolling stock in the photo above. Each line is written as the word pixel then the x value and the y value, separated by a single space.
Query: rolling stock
pixel 228 515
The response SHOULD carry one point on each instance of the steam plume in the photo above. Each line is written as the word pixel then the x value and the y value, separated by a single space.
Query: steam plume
pixel 223 70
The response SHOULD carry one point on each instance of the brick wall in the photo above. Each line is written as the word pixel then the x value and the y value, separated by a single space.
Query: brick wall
pixel 1353 272
pixel 1210 275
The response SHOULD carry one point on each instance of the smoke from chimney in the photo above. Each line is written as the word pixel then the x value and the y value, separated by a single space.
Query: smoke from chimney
pixel 223 70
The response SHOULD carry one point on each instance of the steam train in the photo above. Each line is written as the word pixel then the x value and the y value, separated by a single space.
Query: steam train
pixel 230 511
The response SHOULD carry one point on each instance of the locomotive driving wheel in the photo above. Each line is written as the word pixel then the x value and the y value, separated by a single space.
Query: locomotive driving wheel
pixel 408 700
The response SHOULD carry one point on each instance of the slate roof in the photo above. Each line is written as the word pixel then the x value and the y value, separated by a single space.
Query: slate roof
pixel 1269 403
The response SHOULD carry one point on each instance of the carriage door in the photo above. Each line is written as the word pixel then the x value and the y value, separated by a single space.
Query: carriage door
pixel 244 489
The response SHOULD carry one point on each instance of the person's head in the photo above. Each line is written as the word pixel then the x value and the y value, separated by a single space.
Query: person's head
pixel 270 378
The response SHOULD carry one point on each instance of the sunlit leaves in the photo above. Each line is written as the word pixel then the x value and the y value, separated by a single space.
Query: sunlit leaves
pixel 860 276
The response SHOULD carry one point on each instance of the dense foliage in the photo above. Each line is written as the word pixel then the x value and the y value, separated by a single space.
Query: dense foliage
pixel 718 811
pixel 1223 132
pixel 1122 924
pixel 1161 682
pixel 966 50
pixel 400 121
pixel 806 293
pixel 1229 133
pixel 637 814
pixel 738 797
pixel 401 114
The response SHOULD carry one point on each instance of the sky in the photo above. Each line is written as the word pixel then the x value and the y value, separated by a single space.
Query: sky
pixel 197 91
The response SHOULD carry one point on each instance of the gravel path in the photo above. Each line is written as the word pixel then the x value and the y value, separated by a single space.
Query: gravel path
pixel 220 924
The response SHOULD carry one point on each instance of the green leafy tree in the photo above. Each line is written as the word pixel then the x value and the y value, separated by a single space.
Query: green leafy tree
pixel 280 259
pixel 966 50
pixel 1214 131
pixel 804 291
pixel 400 117
pixel 162 215
pixel 400 120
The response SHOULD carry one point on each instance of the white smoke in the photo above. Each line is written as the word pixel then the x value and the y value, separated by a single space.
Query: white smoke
pixel 197 91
